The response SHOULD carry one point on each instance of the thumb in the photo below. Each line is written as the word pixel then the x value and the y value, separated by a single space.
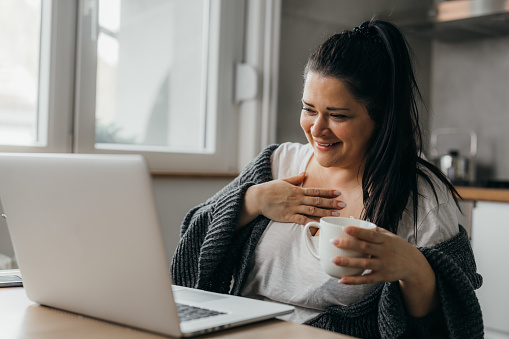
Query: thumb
pixel 296 180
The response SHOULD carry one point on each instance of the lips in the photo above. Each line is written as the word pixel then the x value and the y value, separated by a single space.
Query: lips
pixel 325 145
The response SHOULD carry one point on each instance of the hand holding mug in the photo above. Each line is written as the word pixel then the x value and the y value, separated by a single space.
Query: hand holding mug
pixel 332 228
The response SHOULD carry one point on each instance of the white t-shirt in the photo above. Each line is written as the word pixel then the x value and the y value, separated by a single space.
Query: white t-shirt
pixel 282 270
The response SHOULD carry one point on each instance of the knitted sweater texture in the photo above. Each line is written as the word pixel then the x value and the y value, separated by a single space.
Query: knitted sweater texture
pixel 212 256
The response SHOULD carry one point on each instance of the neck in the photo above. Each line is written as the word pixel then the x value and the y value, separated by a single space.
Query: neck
pixel 346 178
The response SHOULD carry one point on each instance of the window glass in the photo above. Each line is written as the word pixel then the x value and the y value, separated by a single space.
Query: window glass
pixel 151 75
pixel 20 31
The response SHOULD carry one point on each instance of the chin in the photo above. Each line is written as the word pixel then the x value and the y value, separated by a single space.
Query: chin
pixel 325 162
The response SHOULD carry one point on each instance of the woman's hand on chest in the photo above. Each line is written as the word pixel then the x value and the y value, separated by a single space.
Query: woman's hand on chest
pixel 284 200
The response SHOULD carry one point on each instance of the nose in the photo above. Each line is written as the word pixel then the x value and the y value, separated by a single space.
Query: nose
pixel 320 126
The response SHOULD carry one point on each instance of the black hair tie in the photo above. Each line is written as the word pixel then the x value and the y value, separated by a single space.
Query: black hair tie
pixel 366 30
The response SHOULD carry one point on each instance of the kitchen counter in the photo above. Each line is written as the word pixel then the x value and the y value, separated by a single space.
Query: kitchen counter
pixel 483 194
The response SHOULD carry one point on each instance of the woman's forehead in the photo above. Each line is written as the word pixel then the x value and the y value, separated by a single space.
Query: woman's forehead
pixel 318 87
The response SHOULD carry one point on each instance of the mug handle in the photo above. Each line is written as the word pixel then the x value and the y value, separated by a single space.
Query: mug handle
pixel 308 238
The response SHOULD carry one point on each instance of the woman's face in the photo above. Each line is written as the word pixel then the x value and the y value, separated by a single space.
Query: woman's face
pixel 335 123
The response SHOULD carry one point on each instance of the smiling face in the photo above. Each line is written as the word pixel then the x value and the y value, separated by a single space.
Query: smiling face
pixel 336 124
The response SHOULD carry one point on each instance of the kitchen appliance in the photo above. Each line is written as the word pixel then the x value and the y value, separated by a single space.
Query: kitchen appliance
pixel 460 20
pixel 458 168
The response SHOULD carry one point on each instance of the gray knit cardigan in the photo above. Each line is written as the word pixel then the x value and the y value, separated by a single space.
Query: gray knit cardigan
pixel 210 256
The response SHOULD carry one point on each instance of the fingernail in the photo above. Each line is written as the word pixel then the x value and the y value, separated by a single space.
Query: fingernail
pixel 335 214
pixel 341 204
pixel 338 193
pixel 334 241
pixel 336 261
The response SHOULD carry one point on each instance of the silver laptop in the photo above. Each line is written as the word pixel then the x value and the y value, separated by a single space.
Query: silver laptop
pixel 87 239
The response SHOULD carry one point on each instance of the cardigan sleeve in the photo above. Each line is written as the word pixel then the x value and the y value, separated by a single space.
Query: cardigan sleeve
pixel 208 250
pixel 457 279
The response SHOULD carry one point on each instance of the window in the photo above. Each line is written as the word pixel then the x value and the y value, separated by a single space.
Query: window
pixel 20 23
pixel 151 72
pixel 160 81
pixel 36 75
pixel 156 77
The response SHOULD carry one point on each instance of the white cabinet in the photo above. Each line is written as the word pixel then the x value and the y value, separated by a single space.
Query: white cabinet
pixel 490 242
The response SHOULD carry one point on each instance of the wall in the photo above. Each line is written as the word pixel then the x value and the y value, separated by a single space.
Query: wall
pixel 175 196
pixel 470 82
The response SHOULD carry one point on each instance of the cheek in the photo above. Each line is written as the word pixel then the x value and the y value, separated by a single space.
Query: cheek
pixel 365 134
pixel 343 131
pixel 305 123
pixel 361 137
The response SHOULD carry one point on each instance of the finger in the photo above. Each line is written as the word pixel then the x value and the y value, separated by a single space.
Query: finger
pixel 296 180
pixel 370 278
pixel 366 234
pixel 316 212
pixel 358 245
pixel 321 192
pixel 323 202
pixel 368 263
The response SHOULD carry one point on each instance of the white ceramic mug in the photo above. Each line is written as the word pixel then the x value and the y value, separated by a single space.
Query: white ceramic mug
pixel 332 228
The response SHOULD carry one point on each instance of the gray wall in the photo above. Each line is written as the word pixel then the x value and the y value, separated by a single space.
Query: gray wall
pixel 175 196
pixel 470 83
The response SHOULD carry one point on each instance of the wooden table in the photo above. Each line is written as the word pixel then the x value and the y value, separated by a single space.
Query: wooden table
pixel 21 318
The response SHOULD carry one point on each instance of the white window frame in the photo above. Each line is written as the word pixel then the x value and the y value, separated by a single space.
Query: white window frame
pixel 257 117
pixel 225 51
pixel 56 79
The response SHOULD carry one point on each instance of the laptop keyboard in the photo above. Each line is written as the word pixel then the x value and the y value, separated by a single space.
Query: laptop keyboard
pixel 188 312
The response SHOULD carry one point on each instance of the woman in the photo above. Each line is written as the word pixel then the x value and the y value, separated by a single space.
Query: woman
pixel 360 117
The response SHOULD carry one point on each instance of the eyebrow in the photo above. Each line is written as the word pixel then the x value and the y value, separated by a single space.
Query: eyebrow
pixel 328 108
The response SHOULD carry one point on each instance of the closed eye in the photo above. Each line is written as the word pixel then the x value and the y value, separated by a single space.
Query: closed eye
pixel 307 109
pixel 339 116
